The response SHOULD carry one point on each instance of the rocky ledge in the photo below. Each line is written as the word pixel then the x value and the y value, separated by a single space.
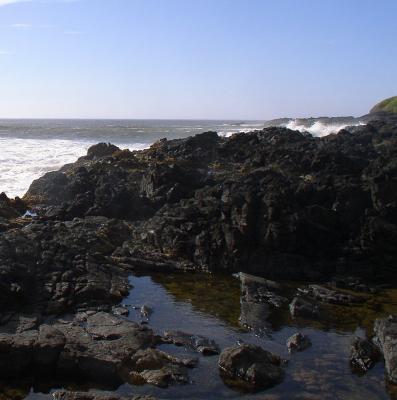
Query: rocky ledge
pixel 90 346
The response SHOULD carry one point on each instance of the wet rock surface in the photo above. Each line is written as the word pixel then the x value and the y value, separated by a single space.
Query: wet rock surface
pixel 159 368
pixel 259 297
pixel 250 367
pixel 298 342
pixel 364 355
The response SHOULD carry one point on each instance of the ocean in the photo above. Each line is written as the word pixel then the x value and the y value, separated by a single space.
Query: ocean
pixel 30 148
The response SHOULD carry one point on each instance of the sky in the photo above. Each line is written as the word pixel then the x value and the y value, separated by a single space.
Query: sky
pixel 195 59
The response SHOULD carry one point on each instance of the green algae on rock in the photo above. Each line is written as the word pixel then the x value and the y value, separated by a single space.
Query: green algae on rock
pixel 388 105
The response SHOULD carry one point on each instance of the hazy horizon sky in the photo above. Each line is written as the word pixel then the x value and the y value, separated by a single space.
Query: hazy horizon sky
pixel 195 59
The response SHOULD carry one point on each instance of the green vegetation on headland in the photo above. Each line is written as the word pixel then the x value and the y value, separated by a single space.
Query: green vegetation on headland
pixel 388 105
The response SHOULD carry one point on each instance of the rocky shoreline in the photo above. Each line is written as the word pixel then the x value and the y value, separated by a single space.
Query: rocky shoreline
pixel 271 204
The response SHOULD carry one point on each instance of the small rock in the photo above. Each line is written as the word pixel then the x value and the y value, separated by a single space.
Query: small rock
pixel 120 310
pixel 298 342
pixel 195 342
pixel 146 311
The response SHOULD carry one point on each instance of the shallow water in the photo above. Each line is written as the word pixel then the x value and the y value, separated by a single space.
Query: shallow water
pixel 209 305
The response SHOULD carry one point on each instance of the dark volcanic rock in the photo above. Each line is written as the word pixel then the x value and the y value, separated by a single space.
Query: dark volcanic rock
pixel 364 355
pixel 275 203
pixel 386 337
pixel 11 208
pixel 101 150
pixel 258 299
pixel 250 367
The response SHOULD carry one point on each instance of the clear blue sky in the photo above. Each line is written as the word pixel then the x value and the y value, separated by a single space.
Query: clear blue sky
pixel 241 59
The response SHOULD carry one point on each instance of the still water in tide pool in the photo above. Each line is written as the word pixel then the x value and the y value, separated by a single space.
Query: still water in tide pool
pixel 210 306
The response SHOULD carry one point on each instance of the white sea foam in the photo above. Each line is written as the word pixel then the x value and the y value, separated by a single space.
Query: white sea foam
pixel 24 160
pixel 318 128
pixel 244 128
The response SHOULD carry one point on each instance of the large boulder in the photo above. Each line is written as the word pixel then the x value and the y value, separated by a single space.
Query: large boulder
pixel 364 355
pixel 250 367
pixel 158 368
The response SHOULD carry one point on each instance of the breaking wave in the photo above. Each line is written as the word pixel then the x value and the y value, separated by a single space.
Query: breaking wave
pixel 319 128
pixel 24 160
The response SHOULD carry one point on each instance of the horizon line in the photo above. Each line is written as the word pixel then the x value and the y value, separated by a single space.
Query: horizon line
pixel 169 119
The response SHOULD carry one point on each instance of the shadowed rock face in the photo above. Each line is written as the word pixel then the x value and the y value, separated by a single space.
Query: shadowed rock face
pixel 273 202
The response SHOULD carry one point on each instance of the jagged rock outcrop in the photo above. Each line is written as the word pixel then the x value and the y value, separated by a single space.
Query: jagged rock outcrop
pixel 276 202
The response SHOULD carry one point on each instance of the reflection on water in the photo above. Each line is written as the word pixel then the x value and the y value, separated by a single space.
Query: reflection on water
pixel 210 306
